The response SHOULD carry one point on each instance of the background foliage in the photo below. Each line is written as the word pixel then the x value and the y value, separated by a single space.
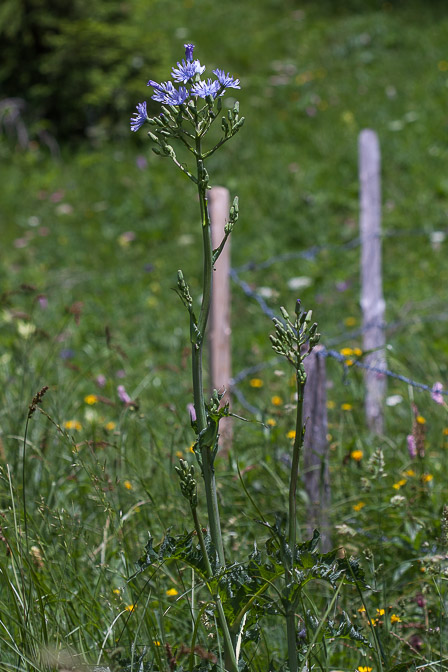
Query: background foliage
pixel 91 243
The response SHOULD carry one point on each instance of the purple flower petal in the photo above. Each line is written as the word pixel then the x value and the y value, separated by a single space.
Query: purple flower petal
pixel 187 70
pixel 189 51
pixel 139 117
pixel 226 80
pixel 412 446
pixel 204 89
pixel 123 395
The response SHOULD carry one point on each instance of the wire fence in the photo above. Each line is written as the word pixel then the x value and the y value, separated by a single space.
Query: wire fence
pixel 327 349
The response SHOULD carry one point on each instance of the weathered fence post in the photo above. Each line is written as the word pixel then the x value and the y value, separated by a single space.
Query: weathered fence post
pixel 316 472
pixel 220 330
pixel 372 301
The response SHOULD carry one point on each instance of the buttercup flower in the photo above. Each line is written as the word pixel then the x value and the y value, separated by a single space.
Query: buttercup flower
pixel 139 117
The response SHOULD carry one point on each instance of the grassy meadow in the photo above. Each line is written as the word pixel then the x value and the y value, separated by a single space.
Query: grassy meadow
pixel 91 243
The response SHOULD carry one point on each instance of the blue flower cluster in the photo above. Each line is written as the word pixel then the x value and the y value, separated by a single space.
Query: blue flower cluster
pixel 187 72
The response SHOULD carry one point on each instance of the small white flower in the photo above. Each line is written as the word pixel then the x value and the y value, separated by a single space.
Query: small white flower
pixel 300 282
pixel 394 400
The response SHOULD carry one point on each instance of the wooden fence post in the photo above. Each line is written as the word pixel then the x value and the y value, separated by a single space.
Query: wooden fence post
pixel 372 301
pixel 220 330
pixel 316 472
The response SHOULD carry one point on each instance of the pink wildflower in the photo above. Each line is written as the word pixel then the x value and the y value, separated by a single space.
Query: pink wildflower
pixel 436 393
pixel 192 411
pixel 412 447
pixel 123 395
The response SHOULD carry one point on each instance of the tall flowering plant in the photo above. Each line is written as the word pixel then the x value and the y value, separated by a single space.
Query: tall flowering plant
pixel 242 593
pixel 190 105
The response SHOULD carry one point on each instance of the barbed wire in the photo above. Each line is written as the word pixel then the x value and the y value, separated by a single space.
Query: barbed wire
pixel 326 350
pixel 311 252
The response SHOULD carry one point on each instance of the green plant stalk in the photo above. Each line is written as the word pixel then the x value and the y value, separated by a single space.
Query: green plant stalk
pixel 297 451
pixel 229 651
pixel 197 345
pixel 292 517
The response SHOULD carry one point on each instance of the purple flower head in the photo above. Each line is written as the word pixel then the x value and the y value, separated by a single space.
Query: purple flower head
pixel 204 89
pixel 100 380
pixel 187 70
pixel 123 395
pixel 166 93
pixel 189 51
pixel 412 446
pixel 227 81
pixel 436 393
pixel 139 117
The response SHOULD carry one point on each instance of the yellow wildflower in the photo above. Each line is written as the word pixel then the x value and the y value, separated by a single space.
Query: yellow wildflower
pixel 346 407
pixel 156 642
pixel 73 424
pixel 359 506
pixel 364 668
pixel 276 400
pixel 179 453
pixel 192 447
pixel 256 382
pixel 349 362
pixel 127 485
pixel 399 484
pixel 131 607
pixel 409 472
pixel 380 612
pixel 116 591
pixel 91 399
pixel 395 619
pixel 420 419
pixel 348 117
pixel 291 434
pixel 172 592
pixel 445 431
pixel 110 426
pixel 346 352
pixel 330 404
pixel 271 422
pixel 356 455
pixel 427 477
pixel 357 352
pixel 362 609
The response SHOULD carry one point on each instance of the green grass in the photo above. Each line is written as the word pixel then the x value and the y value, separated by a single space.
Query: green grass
pixel 312 78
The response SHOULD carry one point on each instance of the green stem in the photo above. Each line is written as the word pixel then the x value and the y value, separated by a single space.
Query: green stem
pixel 291 640
pixel 197 345
pixel 292 519
pixel 229 651
pixel 297 450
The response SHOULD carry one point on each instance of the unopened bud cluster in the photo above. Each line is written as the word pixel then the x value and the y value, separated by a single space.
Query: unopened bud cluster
pixel 290 336
pixel 187 482
pixel 184 290
pixel 233 216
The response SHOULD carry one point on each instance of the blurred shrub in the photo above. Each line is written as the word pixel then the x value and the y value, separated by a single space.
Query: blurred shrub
pixel 79 65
